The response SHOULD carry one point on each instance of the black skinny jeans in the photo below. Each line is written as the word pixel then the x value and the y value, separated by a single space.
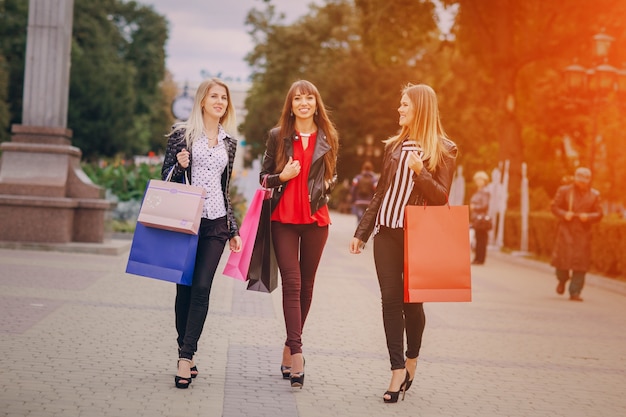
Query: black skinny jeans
pixel 298 250
pixel 482 237
pixel 398 316
pixel 192 302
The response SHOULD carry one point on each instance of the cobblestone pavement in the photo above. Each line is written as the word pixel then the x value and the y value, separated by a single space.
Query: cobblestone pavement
pixel 80 337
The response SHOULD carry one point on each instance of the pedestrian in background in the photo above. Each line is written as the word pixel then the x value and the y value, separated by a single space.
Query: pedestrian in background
pixel 363 188
pixel 479 219
pixel 418 167
pixel 203 150
pixel 300 165
pixel 577 206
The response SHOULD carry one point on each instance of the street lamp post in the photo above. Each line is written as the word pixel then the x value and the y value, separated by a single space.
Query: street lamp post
pixel 595 84
pixel 368 150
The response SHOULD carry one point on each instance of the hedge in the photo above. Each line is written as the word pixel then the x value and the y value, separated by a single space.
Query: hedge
pixel 608 243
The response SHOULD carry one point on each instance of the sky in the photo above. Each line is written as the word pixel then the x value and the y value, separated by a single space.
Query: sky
pixel 209 37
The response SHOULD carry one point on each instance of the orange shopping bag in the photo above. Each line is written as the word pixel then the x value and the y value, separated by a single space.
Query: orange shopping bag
pixel 437 254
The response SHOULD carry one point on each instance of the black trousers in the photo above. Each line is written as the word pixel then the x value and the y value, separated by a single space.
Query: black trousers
pixel 192 302
pixel 482 238
pixel 398 317
pixel 299 248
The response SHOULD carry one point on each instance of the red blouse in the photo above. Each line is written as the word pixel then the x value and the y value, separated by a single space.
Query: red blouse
pixel 294 206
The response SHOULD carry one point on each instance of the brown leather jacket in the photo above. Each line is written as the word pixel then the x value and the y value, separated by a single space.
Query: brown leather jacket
pixel 431 187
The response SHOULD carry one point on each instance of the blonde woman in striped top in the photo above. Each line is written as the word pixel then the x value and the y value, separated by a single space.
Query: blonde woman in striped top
pixel 418 167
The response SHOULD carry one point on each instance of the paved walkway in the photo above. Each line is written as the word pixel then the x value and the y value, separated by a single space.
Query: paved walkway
pixel 79 337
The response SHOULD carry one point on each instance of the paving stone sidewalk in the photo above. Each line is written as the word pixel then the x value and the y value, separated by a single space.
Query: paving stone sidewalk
pixel 80 337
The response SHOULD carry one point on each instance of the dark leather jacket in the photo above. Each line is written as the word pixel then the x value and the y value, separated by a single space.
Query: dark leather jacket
pixel 431 188
pixel 319 190
pixel 175 144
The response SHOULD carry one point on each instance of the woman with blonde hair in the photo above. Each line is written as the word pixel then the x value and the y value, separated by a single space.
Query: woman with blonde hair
pixel 300 165
pixel 207 136
pixel 418 167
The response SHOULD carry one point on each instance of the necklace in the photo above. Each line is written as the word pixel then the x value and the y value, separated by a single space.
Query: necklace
pixel 212 141
pixel 300 135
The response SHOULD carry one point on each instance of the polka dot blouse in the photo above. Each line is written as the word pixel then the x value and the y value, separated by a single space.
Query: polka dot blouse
pixel 206 171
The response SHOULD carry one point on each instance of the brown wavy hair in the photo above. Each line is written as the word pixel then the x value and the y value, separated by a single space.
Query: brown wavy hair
pixel 287 123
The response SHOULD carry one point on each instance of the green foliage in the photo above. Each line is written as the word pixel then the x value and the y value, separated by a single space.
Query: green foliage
pixel 117 104
pixel 394 33
pixel 119 226
pixel 4 108
pixel 359 77
pixel 516 50
pixel 126 181
pixel 13 23
pixel 118 59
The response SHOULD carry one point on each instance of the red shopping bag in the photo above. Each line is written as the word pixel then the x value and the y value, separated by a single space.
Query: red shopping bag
pixel 437 265
pixel 238 263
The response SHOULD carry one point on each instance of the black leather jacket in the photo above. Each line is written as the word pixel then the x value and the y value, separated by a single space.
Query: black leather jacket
pixel 431 188
pixel 175 144
pixel 319 190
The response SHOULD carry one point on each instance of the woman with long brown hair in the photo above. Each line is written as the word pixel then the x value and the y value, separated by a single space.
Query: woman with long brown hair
pixel 300 165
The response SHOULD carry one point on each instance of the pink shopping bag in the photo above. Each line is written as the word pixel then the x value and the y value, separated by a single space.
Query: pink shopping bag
pixel 238 263
pixel 172 206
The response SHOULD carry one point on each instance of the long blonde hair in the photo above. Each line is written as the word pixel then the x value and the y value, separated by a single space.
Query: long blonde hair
pixel 194 126
pixel 426 127
pixel 287 123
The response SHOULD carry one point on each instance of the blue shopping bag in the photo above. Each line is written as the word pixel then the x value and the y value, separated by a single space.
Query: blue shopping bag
pixel 163 254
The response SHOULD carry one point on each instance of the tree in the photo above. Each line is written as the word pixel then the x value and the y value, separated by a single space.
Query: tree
pixel 513 41
pixel 145 34
pixel 4 108
pixel 117 103
pixel 13 23
pixel 336 47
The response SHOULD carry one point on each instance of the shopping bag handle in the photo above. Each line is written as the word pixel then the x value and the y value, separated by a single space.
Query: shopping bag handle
pixel 185 176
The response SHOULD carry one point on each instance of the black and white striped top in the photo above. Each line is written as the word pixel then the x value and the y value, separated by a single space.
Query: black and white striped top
pixel 391 212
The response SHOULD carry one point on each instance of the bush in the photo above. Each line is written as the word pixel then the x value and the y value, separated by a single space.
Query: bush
pixel 608 247
pixel 126 181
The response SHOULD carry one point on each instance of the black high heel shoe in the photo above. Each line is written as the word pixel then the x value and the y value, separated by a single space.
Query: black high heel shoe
pixel 410 381
pixel 393 395
pixel 297 381
pixel 182 381
pixel 193 369
pixel 286 371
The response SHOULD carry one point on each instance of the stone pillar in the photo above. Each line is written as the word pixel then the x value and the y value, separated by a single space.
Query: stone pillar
pixel 47 66
pixel 44 194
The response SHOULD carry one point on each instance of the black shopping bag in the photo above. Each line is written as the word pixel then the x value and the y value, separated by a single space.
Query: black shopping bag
pixel 263 271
